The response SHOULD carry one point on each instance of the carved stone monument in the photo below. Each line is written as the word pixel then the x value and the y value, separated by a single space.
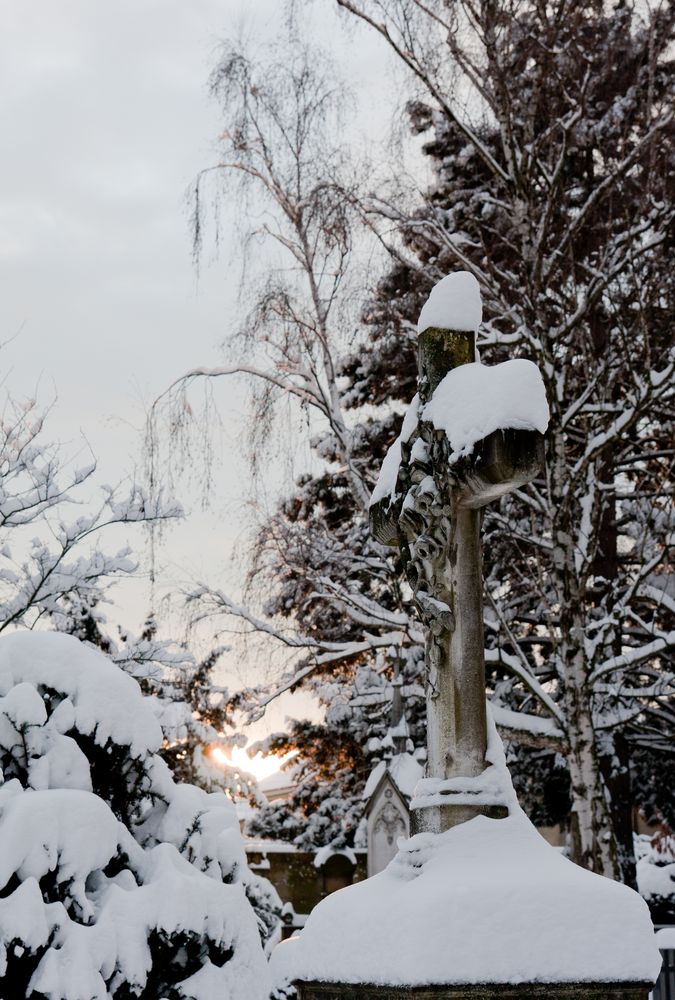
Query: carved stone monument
pixel 434 516
pixel 476 869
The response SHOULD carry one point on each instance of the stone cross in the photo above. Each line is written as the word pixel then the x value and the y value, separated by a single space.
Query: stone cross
pixel 434 517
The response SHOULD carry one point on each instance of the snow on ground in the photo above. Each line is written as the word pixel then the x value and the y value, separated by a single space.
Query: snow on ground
pixel 487 901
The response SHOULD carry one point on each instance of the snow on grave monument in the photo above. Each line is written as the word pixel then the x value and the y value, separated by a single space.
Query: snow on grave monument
pixel 475 904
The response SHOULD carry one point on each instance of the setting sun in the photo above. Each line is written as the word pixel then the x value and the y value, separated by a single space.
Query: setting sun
pixel 260 767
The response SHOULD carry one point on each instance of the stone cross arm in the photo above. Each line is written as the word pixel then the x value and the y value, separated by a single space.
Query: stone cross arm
pixel 504 460
pixel 499 463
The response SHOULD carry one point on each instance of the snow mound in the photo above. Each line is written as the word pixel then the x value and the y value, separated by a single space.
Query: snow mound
pixel 474 400
pixel 488 901
pixel 454 303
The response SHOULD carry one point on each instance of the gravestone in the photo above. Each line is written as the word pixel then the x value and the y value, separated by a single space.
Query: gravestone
pixel 434 518
pixel 471 435
pixel 387 819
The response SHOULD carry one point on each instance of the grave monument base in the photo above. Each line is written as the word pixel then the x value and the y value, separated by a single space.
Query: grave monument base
pixel 523 991
pixel 486 899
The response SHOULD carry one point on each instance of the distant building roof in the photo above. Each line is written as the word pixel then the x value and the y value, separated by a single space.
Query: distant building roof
pixel 280 784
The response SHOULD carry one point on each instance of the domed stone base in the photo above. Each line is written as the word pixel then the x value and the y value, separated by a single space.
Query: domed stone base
pixel 488 899
pixel 531 991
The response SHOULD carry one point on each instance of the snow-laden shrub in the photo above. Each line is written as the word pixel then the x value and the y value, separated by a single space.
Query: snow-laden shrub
pixel 115 881
pixel 656 873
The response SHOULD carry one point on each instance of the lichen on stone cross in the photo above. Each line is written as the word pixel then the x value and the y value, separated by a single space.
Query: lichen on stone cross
pixel 433 515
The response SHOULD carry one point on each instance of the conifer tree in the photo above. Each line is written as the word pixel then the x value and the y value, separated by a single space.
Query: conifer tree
pixel 553 190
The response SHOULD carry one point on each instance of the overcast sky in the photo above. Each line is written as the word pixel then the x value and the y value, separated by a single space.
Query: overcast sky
pixel 105 119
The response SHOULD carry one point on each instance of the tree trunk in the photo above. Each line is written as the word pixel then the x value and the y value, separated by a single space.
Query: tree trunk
pixel 593 835
pixel 615 768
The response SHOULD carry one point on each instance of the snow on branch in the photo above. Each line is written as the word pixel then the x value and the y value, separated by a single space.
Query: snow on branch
pixel 63 563
pixel 631 657
pixel 647 391
pixel 528 730
pixel 604 188
pixel 365 611
pixel 518 666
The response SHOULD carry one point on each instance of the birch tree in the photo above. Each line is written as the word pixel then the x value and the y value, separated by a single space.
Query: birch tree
pixel 330 596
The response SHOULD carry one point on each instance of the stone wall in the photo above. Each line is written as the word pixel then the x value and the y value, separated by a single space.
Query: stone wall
pixel 297 880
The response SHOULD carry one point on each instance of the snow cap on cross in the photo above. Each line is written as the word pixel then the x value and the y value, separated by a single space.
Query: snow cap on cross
pixel 454 303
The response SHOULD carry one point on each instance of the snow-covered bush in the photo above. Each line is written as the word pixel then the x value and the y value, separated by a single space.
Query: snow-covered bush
pixel 656 874
pixel 115 881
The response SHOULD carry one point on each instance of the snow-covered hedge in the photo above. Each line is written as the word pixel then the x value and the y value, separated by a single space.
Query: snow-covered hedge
pixel 656 874
pixel 115 881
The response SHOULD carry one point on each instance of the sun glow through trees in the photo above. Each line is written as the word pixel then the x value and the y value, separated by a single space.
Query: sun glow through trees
pixel 260 767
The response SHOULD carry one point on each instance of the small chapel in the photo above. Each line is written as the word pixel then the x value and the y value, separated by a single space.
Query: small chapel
pixel 390 788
